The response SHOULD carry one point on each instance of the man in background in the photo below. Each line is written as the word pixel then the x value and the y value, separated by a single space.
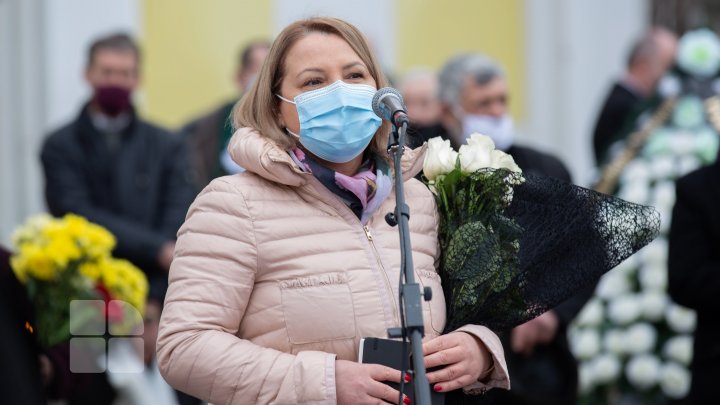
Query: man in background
pixel 207 137
pixel 119 171
pixel 419 89
pixel 474 97
pixel 649 59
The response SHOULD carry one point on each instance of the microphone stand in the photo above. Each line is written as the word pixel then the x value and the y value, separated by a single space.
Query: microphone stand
pixel 411 315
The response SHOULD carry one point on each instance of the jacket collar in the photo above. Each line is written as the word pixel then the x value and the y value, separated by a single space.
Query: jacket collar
pixel 87 129
pixel 263 157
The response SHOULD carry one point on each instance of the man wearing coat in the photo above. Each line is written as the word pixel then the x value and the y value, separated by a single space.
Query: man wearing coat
pixel 474 97
pixel 118 170
pixel 694 272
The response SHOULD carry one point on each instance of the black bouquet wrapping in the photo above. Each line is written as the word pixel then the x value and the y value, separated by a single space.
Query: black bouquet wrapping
pixel 514 246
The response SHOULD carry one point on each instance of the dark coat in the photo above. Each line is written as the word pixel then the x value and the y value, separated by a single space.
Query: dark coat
pixel 614 119
pixel 694 272
pixel 205 137
pixel 140 192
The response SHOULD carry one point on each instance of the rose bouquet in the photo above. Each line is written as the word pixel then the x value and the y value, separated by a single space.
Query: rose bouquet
pixel 61 260
pixel 472 188
pixel 514 245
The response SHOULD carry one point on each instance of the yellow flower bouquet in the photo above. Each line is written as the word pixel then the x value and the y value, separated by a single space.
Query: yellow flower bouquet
pixel 59 260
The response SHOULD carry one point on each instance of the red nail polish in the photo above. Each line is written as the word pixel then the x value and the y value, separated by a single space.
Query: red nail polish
pixel 407 378
pixel 406 400
pixel 437 388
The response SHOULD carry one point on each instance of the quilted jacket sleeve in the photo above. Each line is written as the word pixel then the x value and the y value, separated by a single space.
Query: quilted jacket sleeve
pixel 211 280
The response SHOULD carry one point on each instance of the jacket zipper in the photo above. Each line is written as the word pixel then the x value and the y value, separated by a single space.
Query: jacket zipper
pixel 382 268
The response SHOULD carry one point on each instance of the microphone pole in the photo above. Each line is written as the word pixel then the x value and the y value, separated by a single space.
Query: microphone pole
pixel 411 315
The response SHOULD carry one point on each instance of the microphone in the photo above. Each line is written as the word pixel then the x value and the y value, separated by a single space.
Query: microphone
pixel 388 104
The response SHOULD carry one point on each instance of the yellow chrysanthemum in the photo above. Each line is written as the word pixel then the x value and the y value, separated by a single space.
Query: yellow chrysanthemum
pixel 125 282
pixel 37 263
pixel 62 250
pixel 91 270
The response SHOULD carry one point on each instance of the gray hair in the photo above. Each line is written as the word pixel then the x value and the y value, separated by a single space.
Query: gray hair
pixel 452 76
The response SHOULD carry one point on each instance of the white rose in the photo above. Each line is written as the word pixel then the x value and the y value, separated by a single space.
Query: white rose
pixel 440 158
pixel 640 338
pixel 624 309
pixel 653 277
pixel 680 319
pixel 679 348
pixel 585 343
pixel 653 305
pixel 605 368
pixel 612 285
pixel 592 313
pixel 642 371
pixel 478 140
pixel 476 155
pixel 501 160
pixel 614 341
pixel 674 380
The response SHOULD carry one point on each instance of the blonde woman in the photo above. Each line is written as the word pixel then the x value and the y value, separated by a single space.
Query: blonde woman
pixel 281 270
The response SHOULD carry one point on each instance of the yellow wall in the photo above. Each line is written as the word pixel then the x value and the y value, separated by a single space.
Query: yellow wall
pixel 431 31
pixel 191 46
pixel 190 50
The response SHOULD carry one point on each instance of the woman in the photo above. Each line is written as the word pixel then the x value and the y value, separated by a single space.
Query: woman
pixel 281 270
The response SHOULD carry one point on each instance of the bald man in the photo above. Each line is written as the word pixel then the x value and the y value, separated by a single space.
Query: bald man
pixel 649 59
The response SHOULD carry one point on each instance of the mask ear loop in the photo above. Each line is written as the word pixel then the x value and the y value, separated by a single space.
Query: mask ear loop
pixel 291 133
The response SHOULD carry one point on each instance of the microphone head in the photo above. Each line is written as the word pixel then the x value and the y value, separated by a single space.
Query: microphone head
pixel 377 103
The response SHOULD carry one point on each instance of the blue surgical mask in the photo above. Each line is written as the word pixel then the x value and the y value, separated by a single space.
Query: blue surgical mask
pixel 337 122
pixel 500 129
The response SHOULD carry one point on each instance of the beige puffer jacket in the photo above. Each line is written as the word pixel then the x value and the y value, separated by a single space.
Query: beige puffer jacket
pixel 274 278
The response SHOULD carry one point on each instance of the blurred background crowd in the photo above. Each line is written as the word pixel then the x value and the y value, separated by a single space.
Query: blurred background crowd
pixel 118 111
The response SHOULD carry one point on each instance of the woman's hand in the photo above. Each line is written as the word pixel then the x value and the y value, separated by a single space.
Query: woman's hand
pixel 464 359
pixel 358 383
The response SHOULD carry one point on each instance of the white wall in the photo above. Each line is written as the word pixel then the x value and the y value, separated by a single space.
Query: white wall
pixel 70 28
pixel 575 50
pixel 43 44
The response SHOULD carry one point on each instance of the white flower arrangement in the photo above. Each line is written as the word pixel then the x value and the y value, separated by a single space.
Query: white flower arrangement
pixel 679 349
pixel 699 52
pixel 585 343
pixel 592 313
pixel 653 277
pixel 680 319
pixel 614 341
pixel 613 284
pixel 653 305
pixel 605 368
pixel 643 371
pixel 640 338
pixel 674 380
pixel 641 327
pixel 624 309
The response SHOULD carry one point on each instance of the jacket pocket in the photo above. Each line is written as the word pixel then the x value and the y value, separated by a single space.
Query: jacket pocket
pixel 318 308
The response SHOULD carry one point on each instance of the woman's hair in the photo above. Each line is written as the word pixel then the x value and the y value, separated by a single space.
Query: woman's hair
pixel 259 108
